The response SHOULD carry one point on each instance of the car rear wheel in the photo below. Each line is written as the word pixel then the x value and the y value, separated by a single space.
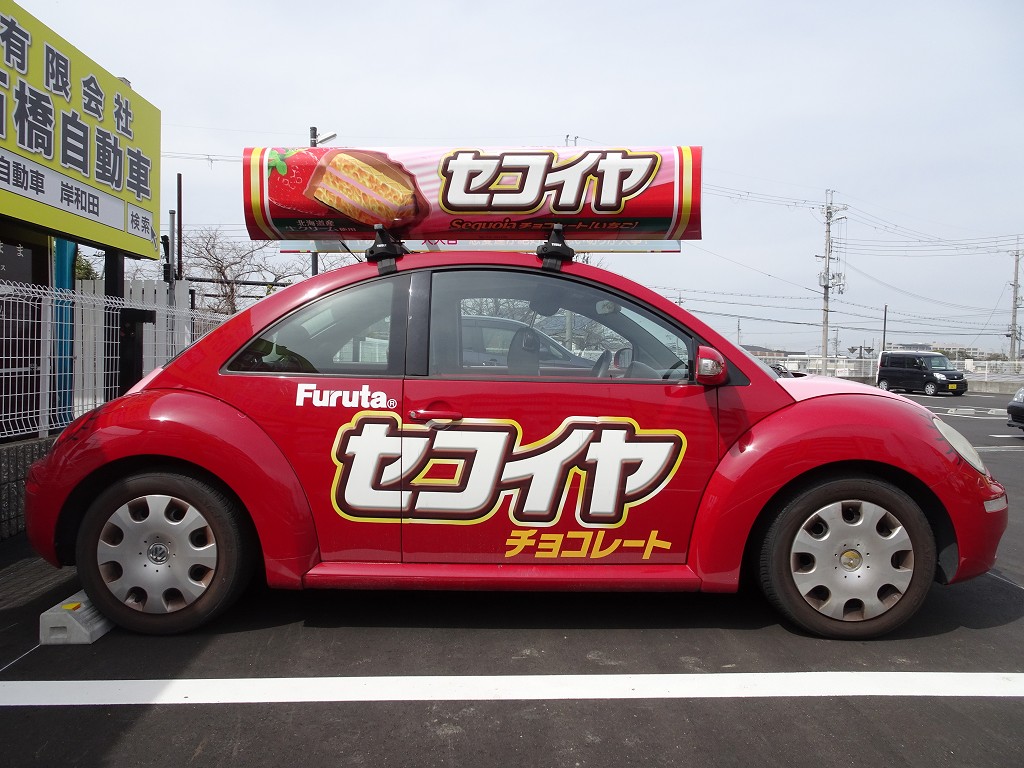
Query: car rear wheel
pixel 849 559
pixel 930 388
pixel 161 553
pixel 883 384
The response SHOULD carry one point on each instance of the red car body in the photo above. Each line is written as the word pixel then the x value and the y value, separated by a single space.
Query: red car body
pixel 702 473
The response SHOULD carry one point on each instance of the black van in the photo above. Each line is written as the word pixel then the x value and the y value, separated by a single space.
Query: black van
pixel 928 372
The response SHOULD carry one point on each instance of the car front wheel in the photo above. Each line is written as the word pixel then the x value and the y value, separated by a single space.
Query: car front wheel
pixel 883 384
pixel 930 388
pixel 162 553
pixel 849 559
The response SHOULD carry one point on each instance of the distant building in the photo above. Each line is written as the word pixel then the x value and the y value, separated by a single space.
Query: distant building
pixel 959 352
pixel 954 350
pixel 911 347
pixel 757 351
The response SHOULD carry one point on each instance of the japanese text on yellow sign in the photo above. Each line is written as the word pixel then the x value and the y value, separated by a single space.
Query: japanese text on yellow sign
pixel 79 149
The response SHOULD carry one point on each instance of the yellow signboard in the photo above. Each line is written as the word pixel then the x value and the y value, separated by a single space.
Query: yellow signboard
pixel 79 149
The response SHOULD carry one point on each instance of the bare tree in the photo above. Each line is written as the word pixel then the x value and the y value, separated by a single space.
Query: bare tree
pixel 241 271
pixel 228 273
pixel 593 260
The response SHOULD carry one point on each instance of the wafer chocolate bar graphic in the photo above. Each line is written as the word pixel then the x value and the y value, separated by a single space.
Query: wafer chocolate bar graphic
pixel 365 186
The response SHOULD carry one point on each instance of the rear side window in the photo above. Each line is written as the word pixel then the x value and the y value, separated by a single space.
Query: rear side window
pixel 347 333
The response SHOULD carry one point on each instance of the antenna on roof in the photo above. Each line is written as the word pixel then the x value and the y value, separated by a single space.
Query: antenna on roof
pixel 385 251
pixel 554 252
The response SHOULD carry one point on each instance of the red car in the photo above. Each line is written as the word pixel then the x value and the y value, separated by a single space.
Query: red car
pixel 333 436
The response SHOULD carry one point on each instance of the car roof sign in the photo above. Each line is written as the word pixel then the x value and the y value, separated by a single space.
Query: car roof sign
pixel 595 193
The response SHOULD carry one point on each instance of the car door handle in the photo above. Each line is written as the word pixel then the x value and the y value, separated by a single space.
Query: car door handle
pixel 429 415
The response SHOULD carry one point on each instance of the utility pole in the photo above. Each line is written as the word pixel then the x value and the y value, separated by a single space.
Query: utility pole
pixel 170 274
pixel 181 235
pixel 826 278
pixel 1013 310
pixel 885 323
pixel 314 257
pixel 315 140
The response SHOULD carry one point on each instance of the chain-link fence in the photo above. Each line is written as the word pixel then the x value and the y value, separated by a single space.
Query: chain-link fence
pixel 64 352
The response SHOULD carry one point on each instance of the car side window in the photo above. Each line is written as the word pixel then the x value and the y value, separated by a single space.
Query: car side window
pixel 494 323
pixel 349 332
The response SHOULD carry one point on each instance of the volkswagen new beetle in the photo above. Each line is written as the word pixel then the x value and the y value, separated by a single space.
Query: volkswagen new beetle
pixel 334 435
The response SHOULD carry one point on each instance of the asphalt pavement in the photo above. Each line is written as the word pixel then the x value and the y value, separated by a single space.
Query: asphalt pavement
pixel 332 678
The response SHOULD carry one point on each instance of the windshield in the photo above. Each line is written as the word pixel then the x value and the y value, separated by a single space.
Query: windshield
pixel 763 365
pixel 938 363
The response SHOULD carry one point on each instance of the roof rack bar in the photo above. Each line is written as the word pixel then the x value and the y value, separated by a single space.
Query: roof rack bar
pixel 554 252
pixel 385 251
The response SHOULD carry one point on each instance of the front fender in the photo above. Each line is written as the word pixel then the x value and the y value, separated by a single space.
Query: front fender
pixel 809 436
pixel 193 428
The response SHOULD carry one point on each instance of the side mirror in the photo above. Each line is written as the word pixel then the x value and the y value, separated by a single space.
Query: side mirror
pixel 623 358
pixel 711 370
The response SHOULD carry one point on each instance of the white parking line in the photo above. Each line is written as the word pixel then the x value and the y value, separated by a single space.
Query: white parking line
pixel 971 413
pixel 37 693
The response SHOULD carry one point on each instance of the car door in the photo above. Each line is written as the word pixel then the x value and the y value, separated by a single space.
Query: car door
pixel 324 383
pixel 917 373
pixel 520 463
pixel 898 371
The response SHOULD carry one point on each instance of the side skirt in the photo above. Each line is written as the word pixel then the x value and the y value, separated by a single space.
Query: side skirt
pixel 469 576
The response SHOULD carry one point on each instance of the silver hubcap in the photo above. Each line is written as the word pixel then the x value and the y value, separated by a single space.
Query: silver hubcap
pixel 157 554
pixel 852 560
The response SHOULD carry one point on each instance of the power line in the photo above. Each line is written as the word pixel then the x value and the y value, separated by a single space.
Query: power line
pixel 932 331
pixel 752 269
pixel 757 197
pixel 911 294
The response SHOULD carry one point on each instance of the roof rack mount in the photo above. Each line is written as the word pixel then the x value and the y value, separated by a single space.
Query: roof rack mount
pixel 385 251
pixel 554 252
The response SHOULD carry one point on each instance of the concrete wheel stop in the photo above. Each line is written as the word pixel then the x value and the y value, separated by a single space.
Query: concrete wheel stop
pixel 75 621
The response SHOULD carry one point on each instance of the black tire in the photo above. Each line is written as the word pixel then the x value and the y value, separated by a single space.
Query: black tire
pixel 957 394
pixel 162 553
pixel 883 384
pixel 930 388
pixel 878 551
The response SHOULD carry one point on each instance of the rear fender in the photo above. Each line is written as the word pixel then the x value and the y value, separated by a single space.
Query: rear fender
pixel 187 428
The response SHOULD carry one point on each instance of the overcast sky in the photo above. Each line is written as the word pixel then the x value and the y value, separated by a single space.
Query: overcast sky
pixel 913 112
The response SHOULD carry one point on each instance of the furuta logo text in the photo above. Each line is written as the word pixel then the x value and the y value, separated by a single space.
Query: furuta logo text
pixel 347 398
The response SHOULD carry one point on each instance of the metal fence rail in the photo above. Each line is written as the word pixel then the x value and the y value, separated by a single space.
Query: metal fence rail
pixel 867 368
pixel 62 352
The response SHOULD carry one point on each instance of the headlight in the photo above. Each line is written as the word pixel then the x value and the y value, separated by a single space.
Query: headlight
pixel 961 445
pixel 1019 397
pixel 940 377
